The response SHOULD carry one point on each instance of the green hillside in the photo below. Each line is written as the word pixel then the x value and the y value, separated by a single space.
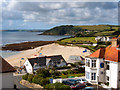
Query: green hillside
pixel 86 30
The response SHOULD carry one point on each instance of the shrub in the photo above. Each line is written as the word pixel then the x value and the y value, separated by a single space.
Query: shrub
pixel 30 77
pixel 57 86
pixel 64 72
pixel 107 83
pixel 57 73
pixel 65 87
pixel 70 71
pixel 49 87
pixel 44 82
pixel 41 75
pixel 25 77
pixel 36 79
pixel 64 76
pixel 44 72
pixel 81 70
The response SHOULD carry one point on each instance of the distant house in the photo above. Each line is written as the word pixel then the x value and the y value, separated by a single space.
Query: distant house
pixel 32 64
pixel 104 65
pixel 6 74
pixel 103 38
pixel 75 58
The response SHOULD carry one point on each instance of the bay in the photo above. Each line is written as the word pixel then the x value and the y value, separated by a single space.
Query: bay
pixel 9 37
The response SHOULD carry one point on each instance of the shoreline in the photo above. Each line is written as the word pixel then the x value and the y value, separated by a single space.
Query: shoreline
pixel 47 50
pixel 24 45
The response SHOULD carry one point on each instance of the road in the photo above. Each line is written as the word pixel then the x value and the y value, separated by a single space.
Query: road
pixel 17 80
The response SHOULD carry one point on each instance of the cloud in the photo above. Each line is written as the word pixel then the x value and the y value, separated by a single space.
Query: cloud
pixel 61 13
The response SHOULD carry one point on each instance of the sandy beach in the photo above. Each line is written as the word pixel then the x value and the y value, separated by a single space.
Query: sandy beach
pixel 47 50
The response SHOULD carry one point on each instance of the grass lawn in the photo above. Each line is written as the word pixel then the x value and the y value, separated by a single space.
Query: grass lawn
pixel 108 33
pixel 79 39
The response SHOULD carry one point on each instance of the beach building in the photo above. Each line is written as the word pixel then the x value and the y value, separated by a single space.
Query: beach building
pixel 103 65
pixel 6 74
pixel 76 58
pixel 32 64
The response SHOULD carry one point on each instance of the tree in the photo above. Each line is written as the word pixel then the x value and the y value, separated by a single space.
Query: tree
pixel 44 82
pixel 43 72
pixel 30 77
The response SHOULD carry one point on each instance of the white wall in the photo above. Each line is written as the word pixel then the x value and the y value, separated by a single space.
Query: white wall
pixel 57 80
pixel 7 80
pixel 91 70
pixel 101 71
pixel 118 85
pixel 28 67
pixel 113 74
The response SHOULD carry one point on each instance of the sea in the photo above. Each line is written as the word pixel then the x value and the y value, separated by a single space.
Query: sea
pixel 10 37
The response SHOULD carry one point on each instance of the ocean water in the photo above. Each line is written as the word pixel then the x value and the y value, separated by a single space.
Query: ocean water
pixel 22 36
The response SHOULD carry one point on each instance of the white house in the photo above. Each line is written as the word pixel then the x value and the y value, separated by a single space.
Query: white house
pixel 104 65
pixel 6 74
pixel 32 64
pixel 103 38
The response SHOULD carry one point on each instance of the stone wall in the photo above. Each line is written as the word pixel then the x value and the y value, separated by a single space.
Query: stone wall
pixel 29 85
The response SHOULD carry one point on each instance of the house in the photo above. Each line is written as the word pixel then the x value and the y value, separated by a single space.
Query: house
pixel 6 74
pixel 104 65
pixel 103 38
pixel 32 64
pixel 76 58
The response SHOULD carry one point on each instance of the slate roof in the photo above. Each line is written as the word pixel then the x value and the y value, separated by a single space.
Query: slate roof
pixel 42 60
pixel 5 66
pixel 74 57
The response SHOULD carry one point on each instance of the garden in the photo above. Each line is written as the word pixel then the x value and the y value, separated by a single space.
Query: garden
pixel 42 76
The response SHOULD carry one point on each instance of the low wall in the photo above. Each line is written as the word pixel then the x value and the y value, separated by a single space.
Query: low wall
pixel 30 85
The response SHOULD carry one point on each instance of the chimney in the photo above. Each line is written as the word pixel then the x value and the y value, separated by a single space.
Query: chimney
pixel 114 42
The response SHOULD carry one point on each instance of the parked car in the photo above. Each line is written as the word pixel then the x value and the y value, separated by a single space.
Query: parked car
pixel 88 84
pixel 66 82
pixel 78 86
pixel 82 80
pixel 88 88
pixel 73 80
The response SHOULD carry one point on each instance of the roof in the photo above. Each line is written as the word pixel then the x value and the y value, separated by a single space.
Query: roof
pixel 56 57
pixel 39 60
pixel 114 38
pixel 75 57
pixel 110 53
pixel 42 60
pixel 99 53
pixel 5 66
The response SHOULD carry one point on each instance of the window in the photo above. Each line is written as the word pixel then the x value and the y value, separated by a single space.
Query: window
pixel 107 78
pixel 93 63
pixel 107 65
pixel 93 76
pixel 88 63
pixel 87 75
pixel 101 72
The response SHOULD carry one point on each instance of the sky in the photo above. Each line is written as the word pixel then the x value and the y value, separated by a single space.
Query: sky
pixel 46 15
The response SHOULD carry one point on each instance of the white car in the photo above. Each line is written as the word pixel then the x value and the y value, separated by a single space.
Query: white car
pixel 82 80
